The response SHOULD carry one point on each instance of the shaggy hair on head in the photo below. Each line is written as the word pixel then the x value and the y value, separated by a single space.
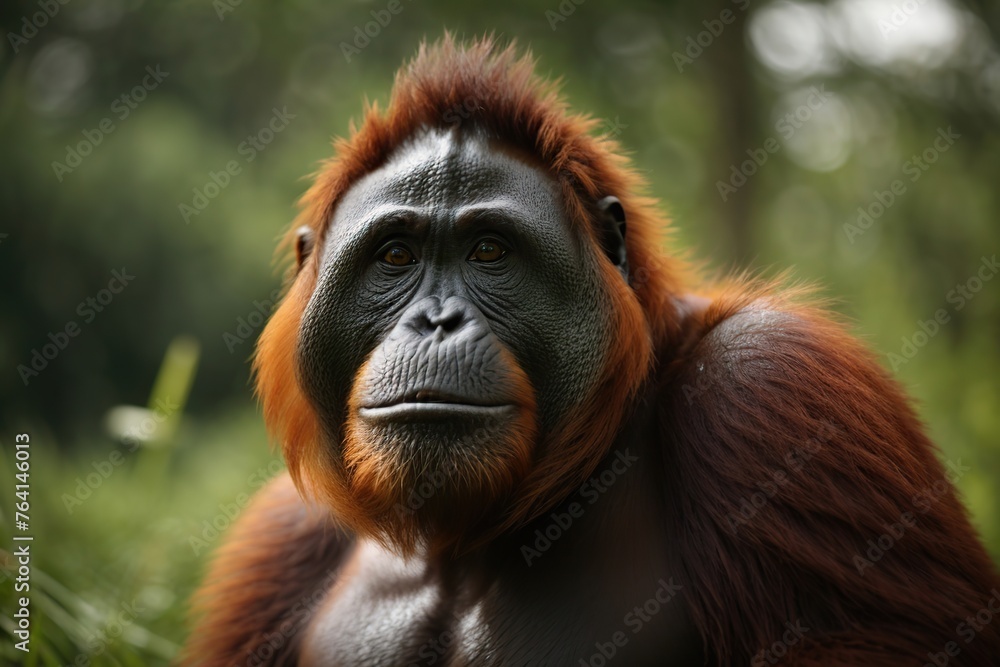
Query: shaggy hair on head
pixel 489 89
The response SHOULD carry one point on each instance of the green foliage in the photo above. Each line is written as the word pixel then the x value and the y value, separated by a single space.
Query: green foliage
pixel 116 556
pixel 232 67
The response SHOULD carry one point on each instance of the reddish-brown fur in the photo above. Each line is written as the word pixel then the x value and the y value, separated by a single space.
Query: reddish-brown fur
pixel 525 114
pixel 266 582
pixel 744 376
pixel 812 387
pixel 379 488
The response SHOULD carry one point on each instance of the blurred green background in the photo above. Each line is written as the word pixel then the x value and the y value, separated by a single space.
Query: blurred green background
pixel 119 117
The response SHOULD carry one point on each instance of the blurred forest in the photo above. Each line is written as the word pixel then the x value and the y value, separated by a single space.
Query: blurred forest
pixel 155 150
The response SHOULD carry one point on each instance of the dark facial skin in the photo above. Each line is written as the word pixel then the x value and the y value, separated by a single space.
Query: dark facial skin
pixel 450 277
pixel 439 271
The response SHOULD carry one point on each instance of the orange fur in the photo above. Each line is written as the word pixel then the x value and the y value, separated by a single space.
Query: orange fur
pixel 527 115
pixel 380 486
pixel 767 375
pixel 266 582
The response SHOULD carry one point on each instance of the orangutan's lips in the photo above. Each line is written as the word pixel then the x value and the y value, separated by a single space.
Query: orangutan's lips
pixel 432 404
